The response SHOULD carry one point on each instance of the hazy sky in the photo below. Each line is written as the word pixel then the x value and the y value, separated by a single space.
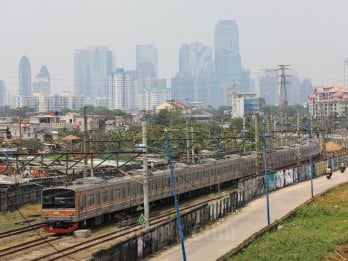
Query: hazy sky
pixel 309 35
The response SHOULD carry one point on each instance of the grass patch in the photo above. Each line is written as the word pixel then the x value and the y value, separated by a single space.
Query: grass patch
pixel 314 233
pixel 13 219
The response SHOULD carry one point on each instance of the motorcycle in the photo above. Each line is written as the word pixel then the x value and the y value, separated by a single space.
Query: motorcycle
pixel 342 168
pixel 328 173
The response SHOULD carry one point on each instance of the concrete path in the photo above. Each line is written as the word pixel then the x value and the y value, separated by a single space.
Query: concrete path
pixel 234 229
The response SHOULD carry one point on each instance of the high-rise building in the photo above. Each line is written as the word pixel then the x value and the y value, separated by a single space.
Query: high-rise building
pixel 152 93
pixel 195 60
pixel 227 56
pixel 42 82
pixel 24 77
pixel 121 90
pixel 346 72
pixel 267 85
pixel 146 60
pixel 306 88
pixel 294 92
pixel 92 66
pixel 3 93
pixel 195 79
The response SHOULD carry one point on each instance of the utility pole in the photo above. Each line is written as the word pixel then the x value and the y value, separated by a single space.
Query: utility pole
pixel 188 144
pixel 19 110
pixel 85 142
pixel 309 131
pixel 257 144
pixel 145 174
pixel 265 165
pixel 177 209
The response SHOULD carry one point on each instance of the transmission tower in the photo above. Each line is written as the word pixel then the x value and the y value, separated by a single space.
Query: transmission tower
pixel 283 96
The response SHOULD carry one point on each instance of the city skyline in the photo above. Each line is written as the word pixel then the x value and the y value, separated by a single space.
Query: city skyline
pixel 271 33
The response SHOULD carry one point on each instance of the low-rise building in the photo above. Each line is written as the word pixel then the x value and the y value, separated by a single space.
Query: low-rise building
pixel 328 101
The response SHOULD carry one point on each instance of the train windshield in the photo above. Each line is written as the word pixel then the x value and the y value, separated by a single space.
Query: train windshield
pixel 58 198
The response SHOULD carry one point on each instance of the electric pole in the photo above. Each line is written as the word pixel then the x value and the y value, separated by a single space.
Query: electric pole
pixel 85 142
pixel 145 171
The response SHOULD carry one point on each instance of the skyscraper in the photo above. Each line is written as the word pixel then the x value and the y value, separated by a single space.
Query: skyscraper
pixel 121 90
pixel 42 82
pixel 195 60
pixel 92 66
pixel 267 85
pixel 346 72
pixel 227 56
pixel 194 80
pixel 146 59
pixel 3 93
pixel 24 77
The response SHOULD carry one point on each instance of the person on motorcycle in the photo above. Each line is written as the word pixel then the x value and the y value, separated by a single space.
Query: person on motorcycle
pixel 342 164
pixel 328 170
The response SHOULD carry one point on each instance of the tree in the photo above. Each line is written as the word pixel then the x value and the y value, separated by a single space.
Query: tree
pixel 32 145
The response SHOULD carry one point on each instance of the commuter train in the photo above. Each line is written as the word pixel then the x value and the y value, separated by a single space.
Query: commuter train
pixel 92 201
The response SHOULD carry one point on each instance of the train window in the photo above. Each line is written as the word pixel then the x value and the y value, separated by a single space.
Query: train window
pixel 117 193
pixel 104 196
pixel 90 200
pixel 83 201
pixel 58 198
pixel 97 197
pixel 111 196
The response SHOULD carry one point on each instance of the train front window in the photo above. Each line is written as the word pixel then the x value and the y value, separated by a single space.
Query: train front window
pixel 58 198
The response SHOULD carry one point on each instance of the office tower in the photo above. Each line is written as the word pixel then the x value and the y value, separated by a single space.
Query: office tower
pixel 267 85
pixel 42 82
pixel 146 60
pixel 227 56
pixel 195 60
pixel 346 72
pixel 295 94
pixel 245 81
pixel 92 66
pixel 121 90
pixel 194 80
pixel 24 77
pixel 3 93
pixel 306 89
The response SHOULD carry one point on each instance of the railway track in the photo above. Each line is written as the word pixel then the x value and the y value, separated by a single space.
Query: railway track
pixel 63 252
pixel 26 245
pixel 20 230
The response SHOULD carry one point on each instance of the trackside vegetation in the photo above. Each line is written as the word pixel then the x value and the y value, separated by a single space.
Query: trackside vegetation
pixel 26 214
pixel 318 231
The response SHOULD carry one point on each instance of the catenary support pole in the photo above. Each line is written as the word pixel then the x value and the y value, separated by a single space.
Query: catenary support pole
pixel 309 129
pixel 266 170
pixel 181 235
pixel 145 171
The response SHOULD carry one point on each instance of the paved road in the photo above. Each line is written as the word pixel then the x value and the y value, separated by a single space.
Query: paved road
pixel 220 238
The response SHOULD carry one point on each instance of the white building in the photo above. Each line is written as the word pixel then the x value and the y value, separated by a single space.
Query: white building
pixel 121 90
pixel 244 103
